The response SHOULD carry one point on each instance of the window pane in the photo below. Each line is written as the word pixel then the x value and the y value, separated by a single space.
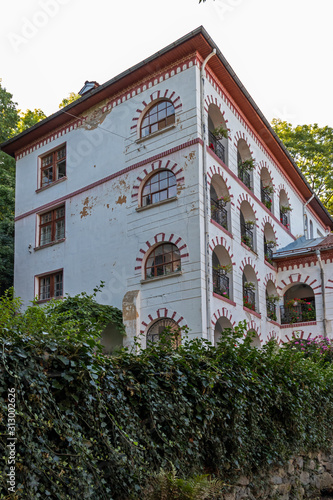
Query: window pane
pixel 164 184
pixel 58 285
pixel 161 114
pixel 163 175
pixel 46 218
pixel 156 198
pixel 47 176
pixel 60 230
pixel 60 212
pixel 176 265
pixel 170 120
pixel 170 109
pixel 163 195
pixel 145 131
pixel 172 179
pixel 153 128
pixel 44 288
pixel 61 153
pixel 45 235
pixel 172 191
pixel 47 160
pixel 61 169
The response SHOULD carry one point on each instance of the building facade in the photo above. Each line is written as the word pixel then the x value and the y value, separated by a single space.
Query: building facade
pixel 168 184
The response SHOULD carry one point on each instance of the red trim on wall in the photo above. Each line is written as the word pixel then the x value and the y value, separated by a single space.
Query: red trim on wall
pixel 224 299
pixel 252 312
pixel 110 177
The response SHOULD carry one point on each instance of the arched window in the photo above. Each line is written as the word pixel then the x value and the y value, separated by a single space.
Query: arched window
pixel 155 330
pixel 159 116
pixel 162 261
pixel 161 186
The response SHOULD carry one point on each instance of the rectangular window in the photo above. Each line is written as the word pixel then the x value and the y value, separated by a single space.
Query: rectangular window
pixel 50 286
pixel 53 166
pixel 52 226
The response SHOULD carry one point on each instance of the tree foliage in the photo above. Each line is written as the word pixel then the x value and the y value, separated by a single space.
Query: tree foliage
pixel 101 428
pixel 311 147
pixel 67 100
pixel 8 125
pixel 29 119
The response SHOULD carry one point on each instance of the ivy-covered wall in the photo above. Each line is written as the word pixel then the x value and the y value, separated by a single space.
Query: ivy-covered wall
pixel 88 426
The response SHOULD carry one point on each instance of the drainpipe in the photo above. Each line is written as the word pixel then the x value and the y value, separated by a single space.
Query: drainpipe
pixel 322 277
pixel 205 185
pixel 304 207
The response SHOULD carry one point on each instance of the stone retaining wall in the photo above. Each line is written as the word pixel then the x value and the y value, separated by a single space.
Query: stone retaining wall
pixel 305 476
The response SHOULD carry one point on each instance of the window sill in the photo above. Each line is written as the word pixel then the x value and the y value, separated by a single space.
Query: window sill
pixel 43 301
pixel 158 278
pixel 217 296
pixel 49 244
pixel 249 248
pixel 51 184
pixel 273 322
pixel 296 325
pixel 169 200
pixel 154 134
pixel 221 227
pixel 252 312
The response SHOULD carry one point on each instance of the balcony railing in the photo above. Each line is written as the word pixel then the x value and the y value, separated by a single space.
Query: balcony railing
pixel 221 283
pixel 216 146
pixel 298 314
pixel 266 198
pixel 268 250
pixel 219 213
pixel 284 219
pixel 247 236
pixel 271 310
pixel 249 299
pixel 245 176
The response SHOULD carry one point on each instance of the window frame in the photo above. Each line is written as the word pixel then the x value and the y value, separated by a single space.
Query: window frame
pixel 156 266
pixel 175 330
pixel 161 123
pixel 52 166
pixel 170 175
pixel 53 223
pixel 51 275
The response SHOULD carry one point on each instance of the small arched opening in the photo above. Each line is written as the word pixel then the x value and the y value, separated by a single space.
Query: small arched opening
pixel 246 164
pixel 222 327
pixel 298 304
pixel 217 133
pixel 248 225
pixel 250 288
pixel 220 202
pixel 222 272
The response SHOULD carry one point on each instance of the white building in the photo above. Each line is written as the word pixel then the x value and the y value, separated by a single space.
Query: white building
pixel 129 185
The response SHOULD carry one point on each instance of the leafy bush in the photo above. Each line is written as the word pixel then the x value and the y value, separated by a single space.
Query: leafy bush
pixel 101 427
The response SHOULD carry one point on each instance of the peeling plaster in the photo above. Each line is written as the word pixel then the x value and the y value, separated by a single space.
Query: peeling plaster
pixel 88 205
pixel 94 118
pixel 121 200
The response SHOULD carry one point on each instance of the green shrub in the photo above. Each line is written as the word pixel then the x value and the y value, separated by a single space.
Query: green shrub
pixel 89 426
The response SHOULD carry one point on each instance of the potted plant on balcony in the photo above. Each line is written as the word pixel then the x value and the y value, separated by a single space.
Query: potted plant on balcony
pixel 270 244
pixel 224 269
pixel 268 189
pixel 249 285
pixel 285 209
pixel 249 224
pixel 220 133
pixel 271 301
pixel 247 165
pixel 223 200
pixel 304 313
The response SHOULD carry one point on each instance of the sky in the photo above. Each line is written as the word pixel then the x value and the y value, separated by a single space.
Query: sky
pixel 280 50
